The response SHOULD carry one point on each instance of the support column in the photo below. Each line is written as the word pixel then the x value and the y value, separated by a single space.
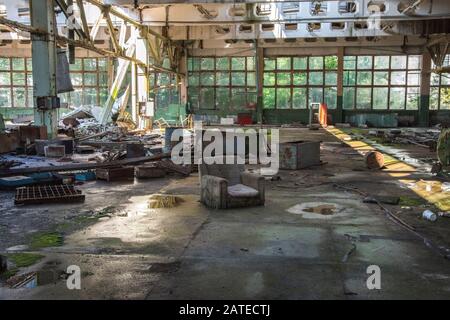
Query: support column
pixel 44 60
pixel 183 68
pixel 259 61
pixel 142 80
pixel 424 104
pixel 134 92
pixel 340 87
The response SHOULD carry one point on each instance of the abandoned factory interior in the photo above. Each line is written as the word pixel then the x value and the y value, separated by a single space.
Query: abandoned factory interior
pixel 225 150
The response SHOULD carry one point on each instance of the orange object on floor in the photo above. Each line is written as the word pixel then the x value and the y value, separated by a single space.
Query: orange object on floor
pixel 323 114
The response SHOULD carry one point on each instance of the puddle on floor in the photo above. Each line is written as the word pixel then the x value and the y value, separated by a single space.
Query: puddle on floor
pixel 325 209
pixel 316 210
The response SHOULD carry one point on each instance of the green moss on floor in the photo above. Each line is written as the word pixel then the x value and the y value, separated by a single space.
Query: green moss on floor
pixel 46 239
pixel 23 259
pixel 410 202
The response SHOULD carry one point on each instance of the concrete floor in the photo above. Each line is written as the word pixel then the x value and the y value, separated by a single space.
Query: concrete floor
pixel 270 252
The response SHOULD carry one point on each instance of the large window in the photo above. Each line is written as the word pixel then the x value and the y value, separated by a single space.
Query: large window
pixel 381 82
pixel 16 83
pixel 296 82
pixel 89 78
pixel 222 83
pixel 440 89
pixel 164 88
pixel 90 82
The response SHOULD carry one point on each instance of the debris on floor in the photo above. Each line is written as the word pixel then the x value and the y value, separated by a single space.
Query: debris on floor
pixel 163 201
pixel 374 160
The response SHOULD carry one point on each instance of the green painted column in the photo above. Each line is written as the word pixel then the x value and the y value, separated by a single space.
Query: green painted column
pixel 424 102
pixel 44 65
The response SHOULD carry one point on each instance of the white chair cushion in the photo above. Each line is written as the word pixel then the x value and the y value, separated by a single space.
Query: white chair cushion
pixel 242 191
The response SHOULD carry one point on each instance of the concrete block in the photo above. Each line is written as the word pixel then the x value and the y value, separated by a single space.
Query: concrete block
pixel 149 171
pixel 299 154
pixel 115 174
pixel 54 151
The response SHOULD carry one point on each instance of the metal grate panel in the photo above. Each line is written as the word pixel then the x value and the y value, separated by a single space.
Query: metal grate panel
pixel 47 194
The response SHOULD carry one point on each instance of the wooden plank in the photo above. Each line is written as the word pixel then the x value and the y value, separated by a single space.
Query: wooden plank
pixel 82 166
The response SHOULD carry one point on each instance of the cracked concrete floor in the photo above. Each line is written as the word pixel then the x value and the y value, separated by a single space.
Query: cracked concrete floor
pixel 270 252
